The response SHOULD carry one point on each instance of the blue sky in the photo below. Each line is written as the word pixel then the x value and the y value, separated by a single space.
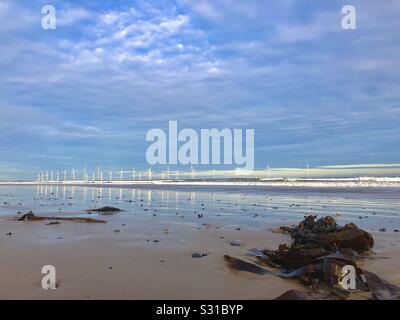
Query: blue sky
pixel 87 92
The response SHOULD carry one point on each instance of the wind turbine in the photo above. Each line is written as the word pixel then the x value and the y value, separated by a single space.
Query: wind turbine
pixel 268 171
pixel 52 175
pixel 192 172
pixel 308 171
pixel 65 175
pixel 149 173
pixel 58 175
pixel 133 174
pixel 122 174
pixel 110 175
pixel 73 174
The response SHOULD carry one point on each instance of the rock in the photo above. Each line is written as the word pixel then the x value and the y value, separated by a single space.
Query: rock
pixel 29 217
pixel 235 243
pixel 106 209
pixel 382 230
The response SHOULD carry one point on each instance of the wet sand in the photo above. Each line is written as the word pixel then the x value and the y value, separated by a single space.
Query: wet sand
pixel 145 251
pixel 95 262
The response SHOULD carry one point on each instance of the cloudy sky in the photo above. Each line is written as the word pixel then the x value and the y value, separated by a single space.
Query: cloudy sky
pixel 87 92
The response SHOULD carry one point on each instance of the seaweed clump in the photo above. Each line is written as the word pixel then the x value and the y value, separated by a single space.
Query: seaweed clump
pixel 317 256
pixel 30 216
pixel 107 210
pixel 313 239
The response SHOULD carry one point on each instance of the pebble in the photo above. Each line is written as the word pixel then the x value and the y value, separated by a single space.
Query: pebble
pixel 52 223
pixel 198 255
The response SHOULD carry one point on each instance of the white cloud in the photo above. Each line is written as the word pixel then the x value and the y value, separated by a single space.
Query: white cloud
pixel 113 73
pixel 71 16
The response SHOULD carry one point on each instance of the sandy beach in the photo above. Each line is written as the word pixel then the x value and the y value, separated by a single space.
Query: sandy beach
pixel 145 251
pixel 94 262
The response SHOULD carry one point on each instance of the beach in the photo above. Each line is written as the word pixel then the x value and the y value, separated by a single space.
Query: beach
pixel 149 250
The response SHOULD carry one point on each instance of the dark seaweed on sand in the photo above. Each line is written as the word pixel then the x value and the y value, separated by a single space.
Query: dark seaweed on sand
pixel 319 251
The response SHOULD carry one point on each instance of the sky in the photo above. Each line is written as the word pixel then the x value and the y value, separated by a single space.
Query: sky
pixel 86 93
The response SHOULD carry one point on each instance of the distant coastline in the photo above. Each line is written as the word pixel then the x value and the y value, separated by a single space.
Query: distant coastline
pixel 284 182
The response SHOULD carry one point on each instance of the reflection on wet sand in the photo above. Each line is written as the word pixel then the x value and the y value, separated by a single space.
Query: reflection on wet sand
pixel 371 210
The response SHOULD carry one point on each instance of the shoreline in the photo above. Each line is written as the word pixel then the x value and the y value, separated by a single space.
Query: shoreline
pixel 295 183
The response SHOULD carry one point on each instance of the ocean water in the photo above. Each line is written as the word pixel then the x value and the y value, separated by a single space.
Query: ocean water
pixel 251 206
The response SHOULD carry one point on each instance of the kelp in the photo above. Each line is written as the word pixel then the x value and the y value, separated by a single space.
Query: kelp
pixel 31 217
pixel 316 257
pixel 105 209
pixel 108 210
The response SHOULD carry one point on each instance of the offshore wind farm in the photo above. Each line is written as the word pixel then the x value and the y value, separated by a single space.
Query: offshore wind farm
pixel 380 177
